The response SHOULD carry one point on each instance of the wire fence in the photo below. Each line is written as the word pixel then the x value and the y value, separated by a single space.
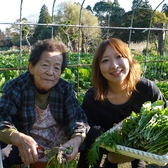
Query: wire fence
pixel 157 68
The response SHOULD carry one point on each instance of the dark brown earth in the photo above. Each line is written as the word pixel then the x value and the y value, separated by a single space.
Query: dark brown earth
pixel 124 165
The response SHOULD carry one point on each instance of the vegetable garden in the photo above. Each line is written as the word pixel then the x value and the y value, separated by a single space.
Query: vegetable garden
pixel 79 75
pixel 154 64
pixel 82 39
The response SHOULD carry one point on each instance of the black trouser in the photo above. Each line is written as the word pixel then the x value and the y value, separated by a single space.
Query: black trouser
pixel 91 136
pixel 13 158
pixel 93 133
pixel 135 164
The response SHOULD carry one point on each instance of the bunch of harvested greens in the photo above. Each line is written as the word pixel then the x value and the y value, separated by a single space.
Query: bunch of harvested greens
pixel 57 157
pixel 58 160
pixel 146 131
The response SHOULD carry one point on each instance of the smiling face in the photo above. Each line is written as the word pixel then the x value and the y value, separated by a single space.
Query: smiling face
pixel 47 71
pixel 113 66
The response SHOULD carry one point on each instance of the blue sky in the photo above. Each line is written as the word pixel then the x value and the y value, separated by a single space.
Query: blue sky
pixel 10 9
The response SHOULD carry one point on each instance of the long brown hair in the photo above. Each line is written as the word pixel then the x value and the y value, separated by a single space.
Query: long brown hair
pixel 100 83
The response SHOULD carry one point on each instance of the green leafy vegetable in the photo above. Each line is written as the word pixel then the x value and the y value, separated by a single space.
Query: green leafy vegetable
pixel 146 131
pixel 58 159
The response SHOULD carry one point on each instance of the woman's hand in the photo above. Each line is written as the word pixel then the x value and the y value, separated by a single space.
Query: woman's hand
pixel 118 158
pixel 27 147
pixel 75 142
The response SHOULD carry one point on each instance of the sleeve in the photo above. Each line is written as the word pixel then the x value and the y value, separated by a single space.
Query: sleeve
pixel 8 111
pixel 91 108
pixel 75 116
pixel 9 102
pixel 6 129
pixel 5 135
pixel 148 91
pixel 157 94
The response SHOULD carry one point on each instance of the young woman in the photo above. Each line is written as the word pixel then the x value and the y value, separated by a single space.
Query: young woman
pixel 118 89
pixel 39 108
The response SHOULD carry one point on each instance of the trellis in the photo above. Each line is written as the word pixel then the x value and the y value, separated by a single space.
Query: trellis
pixel 79 26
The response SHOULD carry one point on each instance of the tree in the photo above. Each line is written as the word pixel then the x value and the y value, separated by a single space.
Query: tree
pixel 14 32
pixel 101 10
pixel 109 14
pixel 44 17
pixel 165 9
pixel 2 38
pixel 159 17
pixel 141 4
pixel 68 13
pixel 139 17
pixel 8 34
pixel 89 8
pixel 116 14
pixel 159 21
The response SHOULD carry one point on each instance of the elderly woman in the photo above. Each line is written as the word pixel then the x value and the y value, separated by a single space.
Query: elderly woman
pixel 39 108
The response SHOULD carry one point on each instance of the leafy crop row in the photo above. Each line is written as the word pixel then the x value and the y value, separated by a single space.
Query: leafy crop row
pixel 78 71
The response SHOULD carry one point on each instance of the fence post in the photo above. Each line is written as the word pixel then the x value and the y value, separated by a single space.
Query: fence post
pixel 144 69
pixel 79 47
pixel 132 18
pixel 20 60
pixel 1 164
pixel 52 18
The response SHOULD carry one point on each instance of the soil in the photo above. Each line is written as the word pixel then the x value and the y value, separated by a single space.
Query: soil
pixel 123 165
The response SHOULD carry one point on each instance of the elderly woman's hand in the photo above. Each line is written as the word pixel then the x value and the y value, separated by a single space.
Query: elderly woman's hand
pixel 75 142
pixel 27 147
pixel 118 158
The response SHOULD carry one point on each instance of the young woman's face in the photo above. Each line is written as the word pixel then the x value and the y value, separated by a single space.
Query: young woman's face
pixel 47 71
pixel 113 66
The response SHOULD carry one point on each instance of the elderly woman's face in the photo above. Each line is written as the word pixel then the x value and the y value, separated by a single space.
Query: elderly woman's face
pixel 47 71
